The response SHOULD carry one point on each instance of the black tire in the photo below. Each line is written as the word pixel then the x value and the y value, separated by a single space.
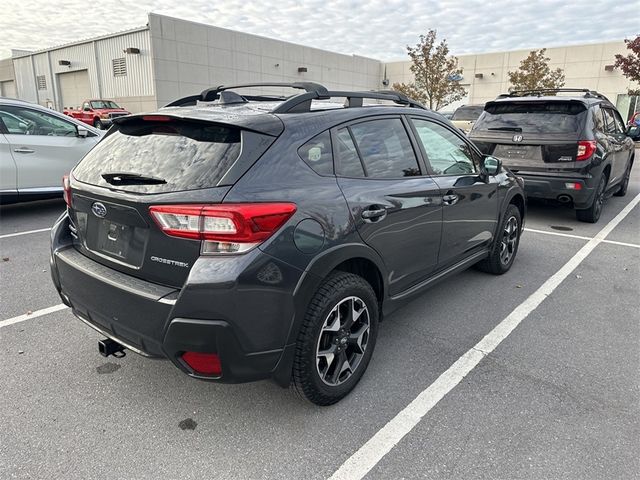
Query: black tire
pixel 622 191
pixel 592 214
pixel 324 379
pixel 506 244
pixel 98 124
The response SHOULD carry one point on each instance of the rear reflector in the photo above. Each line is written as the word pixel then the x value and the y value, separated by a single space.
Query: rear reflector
pixel 66 186
pixel 203 363
pixel 225 228
pixel 586 148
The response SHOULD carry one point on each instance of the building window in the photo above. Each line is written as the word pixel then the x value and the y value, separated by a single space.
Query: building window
pixel 119 67
pixel 42 82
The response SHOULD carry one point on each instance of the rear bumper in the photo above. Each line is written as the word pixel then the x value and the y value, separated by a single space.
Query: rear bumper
pixel 555 188
pixel 164 322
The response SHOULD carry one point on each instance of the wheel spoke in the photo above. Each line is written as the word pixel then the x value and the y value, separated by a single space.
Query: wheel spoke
pixel 356 338
pixel 333 321
pixel 329 356
pixel 338 367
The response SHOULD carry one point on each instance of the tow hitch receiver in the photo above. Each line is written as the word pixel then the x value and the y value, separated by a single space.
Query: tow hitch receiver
pixel 108 347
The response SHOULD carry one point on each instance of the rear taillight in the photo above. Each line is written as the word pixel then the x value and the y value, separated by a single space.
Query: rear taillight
pixel 226 228
pixel 66 187
pixel 586 148
pixel 203 363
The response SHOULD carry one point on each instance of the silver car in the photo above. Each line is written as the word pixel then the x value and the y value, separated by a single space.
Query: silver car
pixel 37 147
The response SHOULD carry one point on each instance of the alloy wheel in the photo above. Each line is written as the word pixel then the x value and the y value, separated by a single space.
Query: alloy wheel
pixel 509 240
pixel 343 340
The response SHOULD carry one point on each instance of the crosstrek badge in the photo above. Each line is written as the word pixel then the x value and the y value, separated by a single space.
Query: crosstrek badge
pixel 167 261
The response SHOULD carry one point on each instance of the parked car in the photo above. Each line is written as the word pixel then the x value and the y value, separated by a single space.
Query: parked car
pixel 37 146
pixel 464 117
pixel 446 114
pixel 634 120
pixel 97 113
pixel 573 147
pixel 244 240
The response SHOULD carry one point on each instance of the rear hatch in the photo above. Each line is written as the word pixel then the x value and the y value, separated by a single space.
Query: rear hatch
pixel 532 135
pixel 154 160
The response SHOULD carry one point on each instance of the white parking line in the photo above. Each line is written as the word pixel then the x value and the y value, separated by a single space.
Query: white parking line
pixel 365 458
pixel 569 235
pixel 28 316
pixel 17 234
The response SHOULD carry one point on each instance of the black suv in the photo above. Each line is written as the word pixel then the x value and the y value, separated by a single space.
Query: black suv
pixel 248 237
pixel 574 149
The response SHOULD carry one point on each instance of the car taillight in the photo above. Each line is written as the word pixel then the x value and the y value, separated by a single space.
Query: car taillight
pixel 66 186
pixel 225 228
pixel 204 363
pixel 586 148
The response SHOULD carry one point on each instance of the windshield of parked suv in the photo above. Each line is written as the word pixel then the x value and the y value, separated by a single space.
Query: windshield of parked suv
pixel 532 117
pixel 469 114
pixel 104 104
pixel 186 155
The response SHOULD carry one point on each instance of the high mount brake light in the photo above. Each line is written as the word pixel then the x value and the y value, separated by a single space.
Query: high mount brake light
pixel 586 148
pixel 156 118
pixel 225 228
pixel 66 186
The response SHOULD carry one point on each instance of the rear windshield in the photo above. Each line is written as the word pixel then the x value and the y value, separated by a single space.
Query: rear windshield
pixel 533 117
pixel 185 155
pixel 467 113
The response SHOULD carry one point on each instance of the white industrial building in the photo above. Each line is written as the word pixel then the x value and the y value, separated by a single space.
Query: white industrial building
pixel 150 66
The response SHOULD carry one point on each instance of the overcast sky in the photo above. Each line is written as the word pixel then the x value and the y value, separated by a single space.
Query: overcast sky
pixel 373 28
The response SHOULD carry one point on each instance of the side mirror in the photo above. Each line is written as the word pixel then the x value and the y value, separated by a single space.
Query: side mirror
pixel 82 132
pixel 492 165
pixel 633 132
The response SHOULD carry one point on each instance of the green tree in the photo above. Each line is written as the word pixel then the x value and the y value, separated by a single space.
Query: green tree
pixel 630 65
pixel 433 69
pixel 534 73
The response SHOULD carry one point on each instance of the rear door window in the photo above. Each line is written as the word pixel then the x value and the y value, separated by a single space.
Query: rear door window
pixel 609 122
pixel 317 154
pixel 348 161
pixel 186 155
pixel 385 149
pixel 533 117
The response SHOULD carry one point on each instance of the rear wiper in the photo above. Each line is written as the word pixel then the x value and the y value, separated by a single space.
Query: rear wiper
pixel 128 178
pixel 507 129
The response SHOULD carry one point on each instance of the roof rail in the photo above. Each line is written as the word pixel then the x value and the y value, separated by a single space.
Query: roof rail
pixel 302 102
pixel 539 91
pixel 213 93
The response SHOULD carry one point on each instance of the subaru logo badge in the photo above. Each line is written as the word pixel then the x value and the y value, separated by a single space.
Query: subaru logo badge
pixel 517 138
pixel 98 209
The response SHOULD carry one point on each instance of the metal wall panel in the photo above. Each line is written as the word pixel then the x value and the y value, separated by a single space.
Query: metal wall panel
pixel 25 79
pixel 138 81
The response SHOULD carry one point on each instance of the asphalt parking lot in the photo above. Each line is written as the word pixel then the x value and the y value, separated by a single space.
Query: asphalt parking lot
pixel 558 398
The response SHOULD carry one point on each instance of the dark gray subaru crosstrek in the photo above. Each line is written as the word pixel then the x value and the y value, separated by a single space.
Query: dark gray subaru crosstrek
pixel 248 237
pixel 569 145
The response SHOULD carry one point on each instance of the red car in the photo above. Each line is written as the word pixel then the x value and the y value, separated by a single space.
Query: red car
pixel 634 120
pixel 98 113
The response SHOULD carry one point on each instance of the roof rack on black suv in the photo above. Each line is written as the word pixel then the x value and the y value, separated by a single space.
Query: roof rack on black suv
pixel 296 103
pixel 571 148
pixel 539 92
pixel 244 244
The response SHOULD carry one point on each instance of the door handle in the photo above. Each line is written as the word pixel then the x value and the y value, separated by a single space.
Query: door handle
pixel 23 150
pixel 373 214
pixel 450 199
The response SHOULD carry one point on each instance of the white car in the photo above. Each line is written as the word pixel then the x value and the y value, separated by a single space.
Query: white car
pixel 37 147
